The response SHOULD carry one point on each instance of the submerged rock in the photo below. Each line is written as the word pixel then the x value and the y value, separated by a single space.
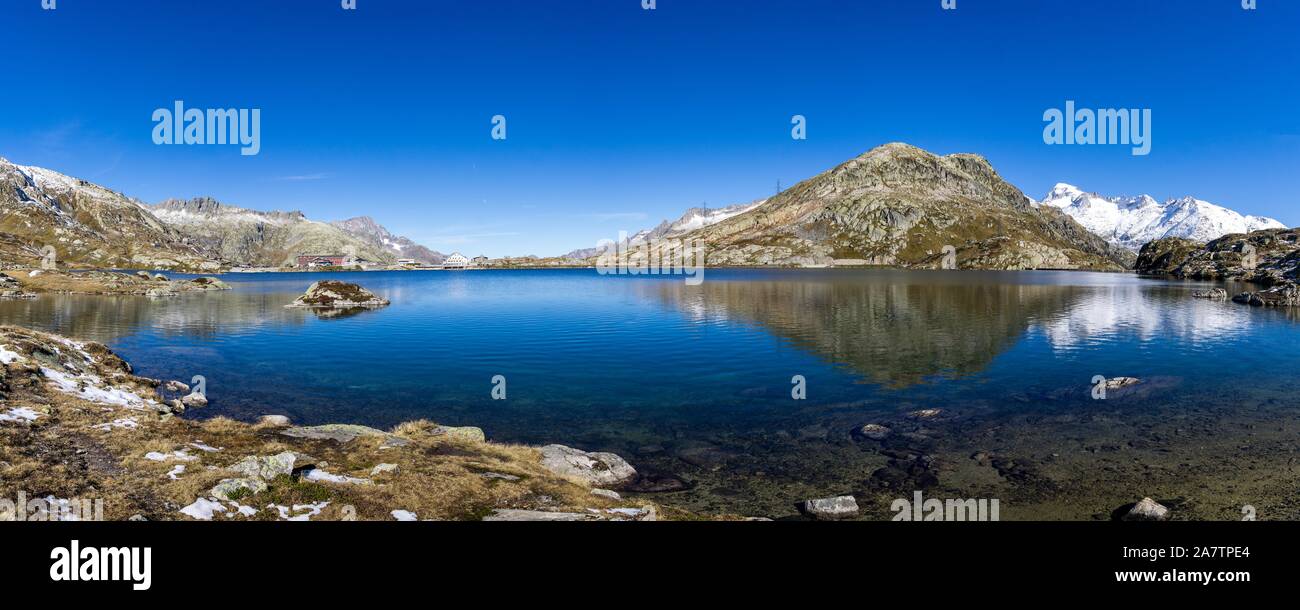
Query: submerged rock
pixel 839 507
pixel 333 294
pixel 926 413
pixel 599 469
pixel 1115 383
pixel 875 432
pixel 1147 510
pixel 1217 294
pixel 207 283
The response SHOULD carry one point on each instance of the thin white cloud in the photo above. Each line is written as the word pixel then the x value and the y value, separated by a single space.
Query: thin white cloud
pixel 304 177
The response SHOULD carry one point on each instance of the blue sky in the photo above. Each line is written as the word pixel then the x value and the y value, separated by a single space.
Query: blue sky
pixel 619 117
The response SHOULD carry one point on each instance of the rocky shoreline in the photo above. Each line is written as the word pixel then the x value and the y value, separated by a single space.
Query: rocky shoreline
pixel 76 422
pixel 1270 258
pixel 27 283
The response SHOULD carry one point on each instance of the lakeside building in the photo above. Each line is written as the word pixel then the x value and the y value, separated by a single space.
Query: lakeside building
pixel 480 260
pixel 309 261
pixel 455 261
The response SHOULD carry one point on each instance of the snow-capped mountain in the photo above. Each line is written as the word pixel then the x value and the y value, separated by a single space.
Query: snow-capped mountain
pixel 1130 222
pixel 365 227
pixel 694 218
pixel 84 222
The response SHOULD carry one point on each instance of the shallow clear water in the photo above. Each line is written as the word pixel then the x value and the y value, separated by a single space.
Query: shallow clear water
pixel 694 382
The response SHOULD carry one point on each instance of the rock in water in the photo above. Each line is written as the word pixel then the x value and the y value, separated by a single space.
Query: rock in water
pixel 274 420
pixel 829 509
pixel 599 469
pixel 1115 383
pixel 194 399
pixel 1147 510
pixel 1217 294
pixel 1286 295
pixel 875 432
pixel 333 294
pixel 176 386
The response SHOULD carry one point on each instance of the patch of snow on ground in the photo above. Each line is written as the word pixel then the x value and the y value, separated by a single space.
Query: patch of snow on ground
pixel 312 511
pixel 203 509
pixel 246 511
pixel 19 414
pixel 175 473
pixel 9 357
pixel 128 423
pixel 404 515
pixel 91 390
pixel 175 455
pixel 316 474
pixel 202 446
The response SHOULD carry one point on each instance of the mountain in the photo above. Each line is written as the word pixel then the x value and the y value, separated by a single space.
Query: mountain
pixel 261 239
pixel 694 218
pixel 86 224
pixel 1131 222
pixel 899 205
pixel 365 228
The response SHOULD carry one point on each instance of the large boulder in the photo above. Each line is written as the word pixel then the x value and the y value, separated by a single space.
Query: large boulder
pixel 469 433
pixel 333 294
pixel 342 433
pixel 1147 510
pixel 598 469
pixel 829 509
pixel 267 467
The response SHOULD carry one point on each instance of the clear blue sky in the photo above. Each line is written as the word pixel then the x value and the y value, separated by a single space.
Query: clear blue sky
pixel 619 117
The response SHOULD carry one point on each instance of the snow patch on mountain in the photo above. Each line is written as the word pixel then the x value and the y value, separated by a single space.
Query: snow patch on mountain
pixel 1131 222
pixel 693 219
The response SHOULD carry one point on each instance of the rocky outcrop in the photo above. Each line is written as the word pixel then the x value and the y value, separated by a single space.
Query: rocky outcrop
pixel 1270 258
pixel 1265 257
pixel 1286 295
pixel 10 288
pixel 333 294
pixel 598 469
pixel 109 283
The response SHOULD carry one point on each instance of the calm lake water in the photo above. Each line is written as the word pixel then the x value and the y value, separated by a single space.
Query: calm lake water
pixel 693 383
